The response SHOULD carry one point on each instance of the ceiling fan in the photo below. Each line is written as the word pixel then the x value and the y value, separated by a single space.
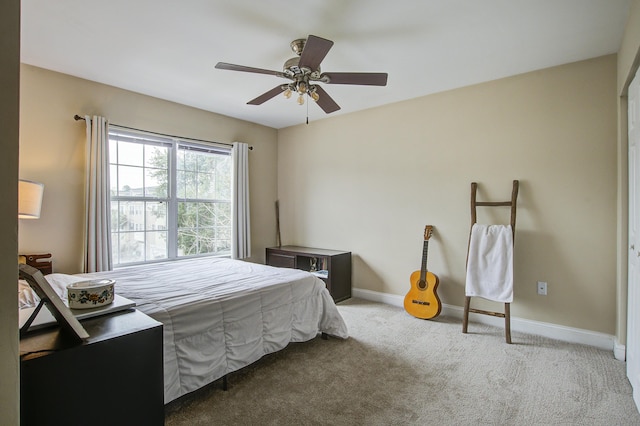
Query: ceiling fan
pixel 304 71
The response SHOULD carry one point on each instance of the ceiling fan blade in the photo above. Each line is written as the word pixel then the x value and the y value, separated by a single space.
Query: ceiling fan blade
pixel 314 51
pixel 326 102
pixel 361 78
pixel 267 95
pixel 234 67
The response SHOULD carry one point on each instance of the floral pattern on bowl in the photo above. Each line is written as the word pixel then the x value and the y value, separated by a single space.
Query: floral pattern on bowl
pixel 90 294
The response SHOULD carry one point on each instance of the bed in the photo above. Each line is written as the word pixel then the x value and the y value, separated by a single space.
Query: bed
pixel 220 315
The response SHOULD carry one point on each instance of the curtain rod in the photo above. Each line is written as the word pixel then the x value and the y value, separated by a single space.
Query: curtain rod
pixel 77 117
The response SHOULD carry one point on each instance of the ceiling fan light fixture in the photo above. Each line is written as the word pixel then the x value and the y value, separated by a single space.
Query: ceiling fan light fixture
pixel 298 45
pixel 304 70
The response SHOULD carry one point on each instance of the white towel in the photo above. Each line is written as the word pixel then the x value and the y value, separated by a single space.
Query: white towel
pixel 490 263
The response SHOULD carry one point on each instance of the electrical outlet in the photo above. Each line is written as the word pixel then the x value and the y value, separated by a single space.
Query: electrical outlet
pixel 542 288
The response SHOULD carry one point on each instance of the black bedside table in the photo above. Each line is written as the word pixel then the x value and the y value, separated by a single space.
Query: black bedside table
pixel 114 377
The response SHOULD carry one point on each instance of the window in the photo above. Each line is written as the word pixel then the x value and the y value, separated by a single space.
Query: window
pixel 169 198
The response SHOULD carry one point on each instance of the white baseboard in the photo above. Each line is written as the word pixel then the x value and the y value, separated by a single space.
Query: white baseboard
pixel 619 351
pixel 552 331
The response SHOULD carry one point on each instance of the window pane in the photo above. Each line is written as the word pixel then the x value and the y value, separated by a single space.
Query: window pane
pixel 156 156
pixel 187 215
pixel 223 247
pixel 156 183
pixel 190 162
pixel 187 186
pixel 131 247
pixel 206 216
pixel 206 162
pixel 187 242
pixel 206 241
pixel 113 180
pixel 223 232
pixel 115 248
pixel 156 217
pixel 130 154
pixel 223 179
pixel 131 181
pixel 206 186
pixel 180 191
pixel 204 228
pixel 223 241
pixel 115 217
pixel 222 212
pixel 180 159
pixel 113 151
pixel 156 245
pixel 132 215
pixel 156 171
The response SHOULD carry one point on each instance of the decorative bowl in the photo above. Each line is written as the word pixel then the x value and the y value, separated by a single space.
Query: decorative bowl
pixel 90 294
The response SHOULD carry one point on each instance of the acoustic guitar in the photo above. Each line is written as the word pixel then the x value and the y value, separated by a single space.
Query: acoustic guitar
pixel 422 301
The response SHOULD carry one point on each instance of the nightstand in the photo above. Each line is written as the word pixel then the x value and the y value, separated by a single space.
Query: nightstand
pixel 114 377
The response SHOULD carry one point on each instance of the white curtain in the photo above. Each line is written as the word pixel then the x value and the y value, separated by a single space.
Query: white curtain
pixel 241 230
pixel 97 246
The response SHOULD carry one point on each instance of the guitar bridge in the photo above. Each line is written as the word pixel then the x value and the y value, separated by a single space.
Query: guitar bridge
pixel 420 302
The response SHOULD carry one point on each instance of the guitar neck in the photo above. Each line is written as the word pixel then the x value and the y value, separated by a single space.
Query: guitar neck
pixel 423 268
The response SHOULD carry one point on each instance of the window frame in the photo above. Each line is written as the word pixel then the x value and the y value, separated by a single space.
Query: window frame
pixel 174 145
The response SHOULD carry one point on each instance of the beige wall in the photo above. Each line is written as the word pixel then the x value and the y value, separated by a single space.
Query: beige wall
pixel 9 109
pixel 52 152
pixel 370 181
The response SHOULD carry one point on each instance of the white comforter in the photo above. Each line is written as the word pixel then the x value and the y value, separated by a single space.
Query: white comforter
pixel 220 315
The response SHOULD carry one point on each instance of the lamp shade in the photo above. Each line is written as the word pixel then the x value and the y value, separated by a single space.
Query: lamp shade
pixel 29 199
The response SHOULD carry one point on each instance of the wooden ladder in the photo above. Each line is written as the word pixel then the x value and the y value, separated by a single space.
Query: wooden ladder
pixel 467 301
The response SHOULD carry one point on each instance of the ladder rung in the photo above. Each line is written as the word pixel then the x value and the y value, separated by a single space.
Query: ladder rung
pixel 480 311
pixel 493 203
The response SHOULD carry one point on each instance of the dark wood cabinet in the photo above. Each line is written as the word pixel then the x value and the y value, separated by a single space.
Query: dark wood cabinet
pixel 332 266
pixel 114 377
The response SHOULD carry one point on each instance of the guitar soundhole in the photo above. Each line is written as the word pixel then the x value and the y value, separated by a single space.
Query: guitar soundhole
pixel 420 302
pixel 422 285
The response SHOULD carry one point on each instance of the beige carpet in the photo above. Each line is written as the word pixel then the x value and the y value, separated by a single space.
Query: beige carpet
pixel 399 370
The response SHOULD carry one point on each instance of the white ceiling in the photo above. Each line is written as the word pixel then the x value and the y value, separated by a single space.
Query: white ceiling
pixel 168 49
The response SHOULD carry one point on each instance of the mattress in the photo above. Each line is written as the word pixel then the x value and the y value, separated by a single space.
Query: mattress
pixel 220 315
